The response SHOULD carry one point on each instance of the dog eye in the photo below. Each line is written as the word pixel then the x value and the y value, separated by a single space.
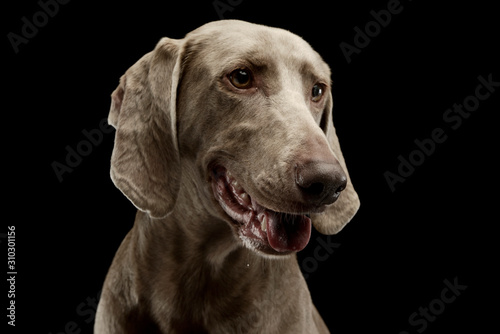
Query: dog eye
pixel 317 92
pixel 241 78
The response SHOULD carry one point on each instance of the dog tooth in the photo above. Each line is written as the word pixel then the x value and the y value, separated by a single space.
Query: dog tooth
pixel 236 185
pixel 245 198
pixel 263 223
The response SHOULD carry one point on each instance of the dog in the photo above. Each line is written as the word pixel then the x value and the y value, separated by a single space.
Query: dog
pixel 225 143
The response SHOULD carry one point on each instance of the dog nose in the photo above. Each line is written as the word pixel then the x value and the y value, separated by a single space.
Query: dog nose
pixel 320 182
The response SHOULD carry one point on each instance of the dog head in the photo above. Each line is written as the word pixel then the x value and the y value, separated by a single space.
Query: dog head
pixel 245 112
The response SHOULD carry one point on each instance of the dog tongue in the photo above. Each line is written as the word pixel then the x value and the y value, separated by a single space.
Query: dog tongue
pixel 287 232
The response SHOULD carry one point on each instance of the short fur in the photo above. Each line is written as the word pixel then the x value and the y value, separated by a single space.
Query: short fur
pixel 182 267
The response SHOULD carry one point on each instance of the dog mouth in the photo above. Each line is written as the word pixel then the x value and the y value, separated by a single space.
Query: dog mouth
pixel 258 227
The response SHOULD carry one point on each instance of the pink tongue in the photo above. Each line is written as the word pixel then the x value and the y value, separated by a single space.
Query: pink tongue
pixel 286 232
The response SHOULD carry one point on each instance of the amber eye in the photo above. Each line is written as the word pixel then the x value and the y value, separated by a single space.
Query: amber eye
pixel 241 78
pixel 317 92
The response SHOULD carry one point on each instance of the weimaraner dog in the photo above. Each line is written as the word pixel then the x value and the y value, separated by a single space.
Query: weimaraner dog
pixel 225 143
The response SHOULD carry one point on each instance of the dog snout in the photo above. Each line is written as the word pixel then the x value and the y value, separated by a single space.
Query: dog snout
pixel 320 182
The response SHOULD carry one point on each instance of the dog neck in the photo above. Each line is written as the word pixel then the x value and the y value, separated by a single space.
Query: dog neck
pixel 209 243
pixel 209 261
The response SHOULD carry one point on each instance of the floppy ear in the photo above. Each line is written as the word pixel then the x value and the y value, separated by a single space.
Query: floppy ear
pixel 145 162
pixel 337 215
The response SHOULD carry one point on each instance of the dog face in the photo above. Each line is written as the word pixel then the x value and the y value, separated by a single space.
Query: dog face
pixel 246 109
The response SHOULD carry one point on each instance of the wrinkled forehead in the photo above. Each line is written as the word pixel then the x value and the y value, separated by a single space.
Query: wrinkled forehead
pixel 224 45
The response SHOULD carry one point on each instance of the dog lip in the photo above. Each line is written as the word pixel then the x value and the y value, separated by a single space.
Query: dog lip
pixel 230 195
pixel 271 231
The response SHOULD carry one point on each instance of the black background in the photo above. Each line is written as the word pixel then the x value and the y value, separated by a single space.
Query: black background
pixel 394 255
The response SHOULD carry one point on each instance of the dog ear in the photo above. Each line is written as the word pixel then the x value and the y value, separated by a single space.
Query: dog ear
pixel 337 215
pixel 145 163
